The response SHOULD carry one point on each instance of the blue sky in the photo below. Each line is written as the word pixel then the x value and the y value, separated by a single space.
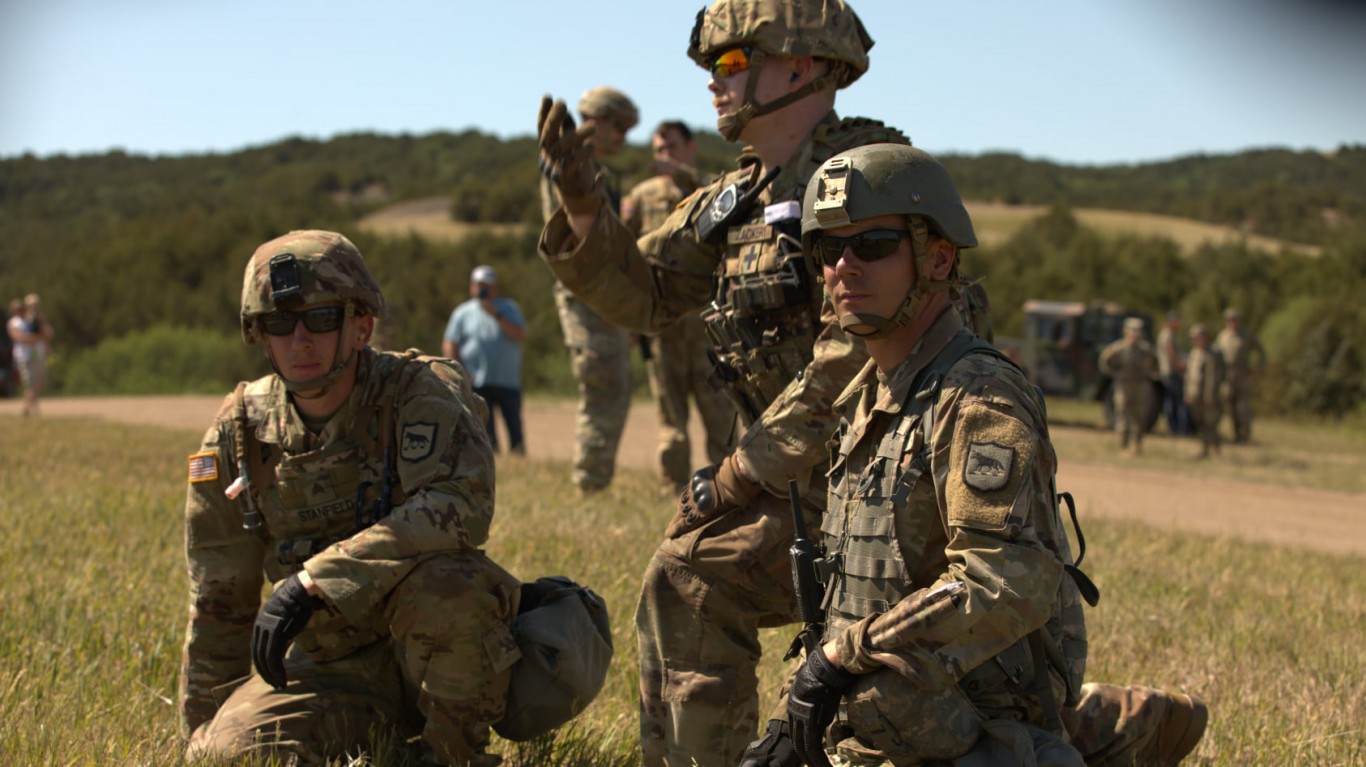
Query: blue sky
pixel 1074 81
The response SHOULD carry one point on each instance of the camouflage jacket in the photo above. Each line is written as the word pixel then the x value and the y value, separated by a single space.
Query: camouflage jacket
pixel 442 501
pixel 783 358
pixel 649 203
pixel 1129 363
pixel 947 488
pixel 1238 348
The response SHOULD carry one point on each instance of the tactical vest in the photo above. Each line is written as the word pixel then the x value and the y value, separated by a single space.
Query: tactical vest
pixel 867 573
pixel 300 504
pixel 765 311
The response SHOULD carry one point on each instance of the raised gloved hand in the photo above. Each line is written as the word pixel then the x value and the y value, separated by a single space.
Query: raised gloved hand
pixel 567 157
pixel 812 704
pixel 711 492
pixel 774 749
pixel 281 619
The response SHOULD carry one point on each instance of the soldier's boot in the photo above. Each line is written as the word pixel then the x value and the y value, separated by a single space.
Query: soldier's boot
pixel 1181 728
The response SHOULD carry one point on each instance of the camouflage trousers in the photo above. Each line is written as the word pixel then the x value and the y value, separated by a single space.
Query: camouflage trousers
pixel 600 357
pixel 1111 726
pixel 1238 394
pixel 705 596
pixel 1132 400
pixel 442 676
pixel 679 367
pixel 1206 421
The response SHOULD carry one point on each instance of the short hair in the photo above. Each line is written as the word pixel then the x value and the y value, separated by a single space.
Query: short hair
pixel 678 125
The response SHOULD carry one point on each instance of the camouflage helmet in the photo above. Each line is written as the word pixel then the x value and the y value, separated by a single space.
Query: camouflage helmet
pixel 887 179
pixel 822 29
pixel 611 104
pixel 306 267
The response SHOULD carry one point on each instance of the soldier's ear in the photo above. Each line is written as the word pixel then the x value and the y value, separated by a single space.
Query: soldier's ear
pixel 364 327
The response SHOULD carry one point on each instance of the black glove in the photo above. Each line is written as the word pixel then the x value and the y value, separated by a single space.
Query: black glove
pixel 281 619
pixel 812 703
pixel 712 491
pixel 772 750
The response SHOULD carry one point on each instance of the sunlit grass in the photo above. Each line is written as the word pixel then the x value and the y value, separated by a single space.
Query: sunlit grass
pixel 92 609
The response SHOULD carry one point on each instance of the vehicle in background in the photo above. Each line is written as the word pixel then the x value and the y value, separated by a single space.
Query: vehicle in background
pixel 1060 348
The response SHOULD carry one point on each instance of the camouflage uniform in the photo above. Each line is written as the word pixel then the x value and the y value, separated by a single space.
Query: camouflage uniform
pixel 678 364
pixel 600 357
pixel 949 600
pixel 414 634
pixel 1238 347
pixel 970 503
pixel 1204 392
pixel 1132 365
pixel 783 361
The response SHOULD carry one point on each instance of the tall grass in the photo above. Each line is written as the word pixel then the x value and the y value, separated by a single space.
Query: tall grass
pixel 92 610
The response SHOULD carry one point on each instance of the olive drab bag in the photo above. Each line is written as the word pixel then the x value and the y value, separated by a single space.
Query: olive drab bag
pixel 565 637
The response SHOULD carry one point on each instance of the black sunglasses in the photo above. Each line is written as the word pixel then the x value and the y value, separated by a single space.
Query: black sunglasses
pixel 871 245
pixel 323 319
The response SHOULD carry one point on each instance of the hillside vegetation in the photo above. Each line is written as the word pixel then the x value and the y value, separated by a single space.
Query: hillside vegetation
pixel 139 257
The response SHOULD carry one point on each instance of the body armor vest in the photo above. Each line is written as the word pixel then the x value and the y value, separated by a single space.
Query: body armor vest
pixel 766 305
pixel 860 530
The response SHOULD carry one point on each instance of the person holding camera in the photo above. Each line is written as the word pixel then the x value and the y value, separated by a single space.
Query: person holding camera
pixel 485 335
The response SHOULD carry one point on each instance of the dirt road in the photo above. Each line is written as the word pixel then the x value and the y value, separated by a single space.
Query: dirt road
pixel 1254 512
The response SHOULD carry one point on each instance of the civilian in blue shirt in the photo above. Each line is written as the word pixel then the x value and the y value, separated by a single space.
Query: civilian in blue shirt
pixel 485 335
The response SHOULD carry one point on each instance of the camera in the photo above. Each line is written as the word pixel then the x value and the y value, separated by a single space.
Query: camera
pixel 483 292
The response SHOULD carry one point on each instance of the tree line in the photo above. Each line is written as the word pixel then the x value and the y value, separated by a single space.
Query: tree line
pixel 139 258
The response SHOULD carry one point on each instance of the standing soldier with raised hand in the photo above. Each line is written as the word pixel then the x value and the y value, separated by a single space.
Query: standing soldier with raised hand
pixel 599 349
pixel 678 363
pixel 733 249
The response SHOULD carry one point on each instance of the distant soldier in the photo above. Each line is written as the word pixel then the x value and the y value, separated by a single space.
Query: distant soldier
pixel 678 364
pixel 359 485
pixel 1133 366
pixel 1170 367
pixel 599 351
pixel 1204 384
pixel 1238 348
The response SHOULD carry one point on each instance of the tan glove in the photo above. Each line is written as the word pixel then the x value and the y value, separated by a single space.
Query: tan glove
pixel 566 157
pixel 713 491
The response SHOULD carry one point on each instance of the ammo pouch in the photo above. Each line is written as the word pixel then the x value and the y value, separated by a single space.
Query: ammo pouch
pixel 565 637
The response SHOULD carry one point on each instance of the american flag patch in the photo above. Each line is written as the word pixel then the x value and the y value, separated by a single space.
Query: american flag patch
pixel 203 467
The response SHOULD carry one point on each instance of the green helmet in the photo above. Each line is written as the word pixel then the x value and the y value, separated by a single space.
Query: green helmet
pixel 887 179
pixel 305 267
pixel 610 104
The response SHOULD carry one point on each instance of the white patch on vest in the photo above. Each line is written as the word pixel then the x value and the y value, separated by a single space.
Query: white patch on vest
pixel 418 441
pixel 988 465
pixel 782 211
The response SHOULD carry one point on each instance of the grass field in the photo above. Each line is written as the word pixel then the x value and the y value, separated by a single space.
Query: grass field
pixel 92 610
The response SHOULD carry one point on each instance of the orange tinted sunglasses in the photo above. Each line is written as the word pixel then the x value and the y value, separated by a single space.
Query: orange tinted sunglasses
pixel 731 62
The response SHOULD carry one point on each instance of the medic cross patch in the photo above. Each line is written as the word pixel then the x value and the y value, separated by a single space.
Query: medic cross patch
pixel 988 465
pixel 418 441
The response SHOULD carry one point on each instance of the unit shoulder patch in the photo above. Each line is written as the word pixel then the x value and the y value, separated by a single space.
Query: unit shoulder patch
pixel 988 465
pixel 418 441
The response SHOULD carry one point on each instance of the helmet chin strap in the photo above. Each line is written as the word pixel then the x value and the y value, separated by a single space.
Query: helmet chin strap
pixel 731 125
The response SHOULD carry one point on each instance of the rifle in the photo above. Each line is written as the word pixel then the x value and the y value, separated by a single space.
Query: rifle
pixel 806 555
